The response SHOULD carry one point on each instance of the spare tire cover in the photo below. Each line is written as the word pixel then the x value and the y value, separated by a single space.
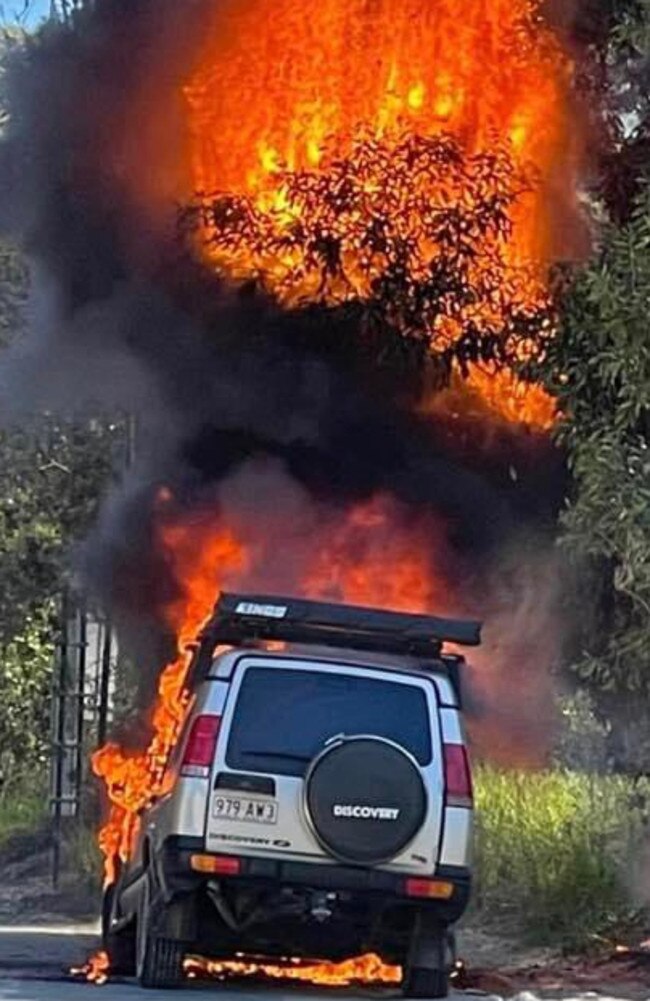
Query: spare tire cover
pixel 365 799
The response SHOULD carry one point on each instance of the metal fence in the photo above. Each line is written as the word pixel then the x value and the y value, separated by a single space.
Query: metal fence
pixel 82 708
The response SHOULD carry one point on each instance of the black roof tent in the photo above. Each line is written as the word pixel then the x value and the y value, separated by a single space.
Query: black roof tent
pixel 241 618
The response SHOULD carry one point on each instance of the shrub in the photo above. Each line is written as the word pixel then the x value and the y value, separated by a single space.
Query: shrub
pixel 555 851
pixel 23 808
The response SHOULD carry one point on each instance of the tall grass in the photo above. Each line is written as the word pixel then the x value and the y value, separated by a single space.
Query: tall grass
pixel 557 852
pixel 82 855
pixel 23 809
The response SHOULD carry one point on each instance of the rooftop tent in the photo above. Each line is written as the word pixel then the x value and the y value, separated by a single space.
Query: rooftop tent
pixel 239 618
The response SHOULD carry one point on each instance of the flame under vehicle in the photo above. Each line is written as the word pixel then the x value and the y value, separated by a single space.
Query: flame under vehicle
pixel 319 798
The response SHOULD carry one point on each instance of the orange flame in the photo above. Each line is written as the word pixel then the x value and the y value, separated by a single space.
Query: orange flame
pixel 368 559
pixel 309 118
pixel 96 970
pixel 362 969
pixel 367 556
pixel 201 557
pixel 494 395
pixel 311 123
pixel 272 91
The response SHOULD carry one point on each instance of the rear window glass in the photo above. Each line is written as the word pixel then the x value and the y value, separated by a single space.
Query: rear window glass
pixel 284 718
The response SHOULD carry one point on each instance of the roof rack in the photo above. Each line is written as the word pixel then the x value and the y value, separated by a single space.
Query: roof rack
pixel 241 618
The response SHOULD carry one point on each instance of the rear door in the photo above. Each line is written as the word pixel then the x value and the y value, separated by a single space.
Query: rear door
pixel 279 716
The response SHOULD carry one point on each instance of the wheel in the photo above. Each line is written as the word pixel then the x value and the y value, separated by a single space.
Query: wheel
pixel 119 945
pixel 159 961
pixel 423 983
pixel 426 971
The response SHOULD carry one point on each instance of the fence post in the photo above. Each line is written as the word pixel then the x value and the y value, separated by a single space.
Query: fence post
pixel 105 677
pixel 59 702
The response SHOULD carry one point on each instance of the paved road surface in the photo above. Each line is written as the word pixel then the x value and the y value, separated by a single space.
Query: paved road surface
pixel 45 950
pixel 32 960
pixel 21 990
pixel 25 990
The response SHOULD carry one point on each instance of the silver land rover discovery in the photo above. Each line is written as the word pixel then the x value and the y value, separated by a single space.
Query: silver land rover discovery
pixel 321 803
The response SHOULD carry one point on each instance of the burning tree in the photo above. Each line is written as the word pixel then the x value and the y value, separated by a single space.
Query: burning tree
pixel 393 162
pixel 431 192
pixel 419 193
pixel 403 166
pixel 413 228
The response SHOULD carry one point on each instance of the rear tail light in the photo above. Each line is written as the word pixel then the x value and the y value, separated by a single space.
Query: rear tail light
pixel 200 747
pixel 433 889
pixel 458 778
pixel 220 865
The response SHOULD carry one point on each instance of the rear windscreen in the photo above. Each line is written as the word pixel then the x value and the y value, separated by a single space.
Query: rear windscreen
pixel 284 718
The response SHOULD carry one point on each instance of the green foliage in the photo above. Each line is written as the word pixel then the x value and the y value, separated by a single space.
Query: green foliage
pixel 13 284
pixel 53 472
pixel 53 476
pixel 23 808
pixel 25 665
pixel 581 743
pixel 631 30
pixel 599 369
pixel 556 852
pixel 82 856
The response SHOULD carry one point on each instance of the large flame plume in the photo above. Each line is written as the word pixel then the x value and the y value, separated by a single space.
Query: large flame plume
pixel 397 154
pixel 368 555
pixel 296 90
pixel 374 554
pixel 412 162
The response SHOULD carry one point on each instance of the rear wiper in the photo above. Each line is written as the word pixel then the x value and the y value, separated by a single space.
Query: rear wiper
pixel 278 754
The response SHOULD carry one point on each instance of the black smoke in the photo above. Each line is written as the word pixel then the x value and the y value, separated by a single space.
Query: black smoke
pixel 217 377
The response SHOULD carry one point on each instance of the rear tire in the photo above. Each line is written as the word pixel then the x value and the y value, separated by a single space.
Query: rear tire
pixel 119 945
pixel 159 960
pixel 423 983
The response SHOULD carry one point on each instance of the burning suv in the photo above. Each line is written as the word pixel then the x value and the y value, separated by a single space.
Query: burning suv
pixel 320 799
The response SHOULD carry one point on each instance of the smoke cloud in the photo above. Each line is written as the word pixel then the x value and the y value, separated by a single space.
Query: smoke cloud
pixel 280 424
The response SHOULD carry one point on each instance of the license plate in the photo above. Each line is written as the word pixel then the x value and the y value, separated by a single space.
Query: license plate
pixel 256 811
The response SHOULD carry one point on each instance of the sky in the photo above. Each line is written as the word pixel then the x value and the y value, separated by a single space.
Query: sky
pixel 38 9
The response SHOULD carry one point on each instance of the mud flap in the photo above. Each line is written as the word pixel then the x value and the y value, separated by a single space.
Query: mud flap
pixel 172 917
pixel 179 919
pixel 426 974
pixel 429 947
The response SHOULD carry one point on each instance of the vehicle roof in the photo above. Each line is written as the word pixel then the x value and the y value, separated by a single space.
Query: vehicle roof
pixel 224 663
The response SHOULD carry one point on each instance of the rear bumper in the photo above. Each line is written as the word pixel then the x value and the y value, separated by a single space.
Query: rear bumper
pixel 177 876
